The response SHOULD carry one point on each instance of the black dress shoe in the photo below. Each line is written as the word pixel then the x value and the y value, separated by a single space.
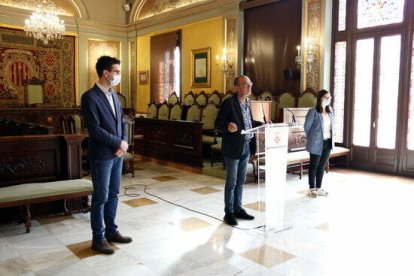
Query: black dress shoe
pixel 230 219
pixel 243 215
pixel 102 247
pixel 117 237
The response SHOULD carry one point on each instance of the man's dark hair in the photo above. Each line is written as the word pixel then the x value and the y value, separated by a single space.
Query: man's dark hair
pixel 105 63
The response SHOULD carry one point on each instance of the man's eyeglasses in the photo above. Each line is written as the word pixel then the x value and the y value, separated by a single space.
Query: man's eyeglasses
pixel 247 84
pixel 116 71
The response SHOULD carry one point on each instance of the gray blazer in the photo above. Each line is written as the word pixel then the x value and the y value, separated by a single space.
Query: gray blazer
pixel 105 130
pixel 314 131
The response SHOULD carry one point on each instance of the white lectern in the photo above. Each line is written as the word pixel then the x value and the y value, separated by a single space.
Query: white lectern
pixel 272 147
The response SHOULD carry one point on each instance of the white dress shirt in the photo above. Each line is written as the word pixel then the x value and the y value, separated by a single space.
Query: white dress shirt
pixel 108 94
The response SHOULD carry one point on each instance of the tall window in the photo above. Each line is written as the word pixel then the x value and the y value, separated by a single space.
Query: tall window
pixel 363 91
pixel 339 90
pixel 370 78
pixel 379 12
pixel 389 77
pixel 410 132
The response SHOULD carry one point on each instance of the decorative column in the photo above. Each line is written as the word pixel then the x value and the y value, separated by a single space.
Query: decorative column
pixel 313 28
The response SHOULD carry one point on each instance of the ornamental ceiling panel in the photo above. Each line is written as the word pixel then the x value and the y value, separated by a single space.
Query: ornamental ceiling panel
pixel 154 7
pixel 64 6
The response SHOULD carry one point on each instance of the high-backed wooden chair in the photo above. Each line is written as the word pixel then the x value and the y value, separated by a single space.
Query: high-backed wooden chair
pixel 214 98
pixel 152 110
pixel 227 95
pixel 268 96
pixel 287 100
pixel 208 117
pixel 163 111
pixel 201 98
pixel 122 100
pixel 129 155
pixel 307 99
pixel 67 124
pixel 173 98
pixel 189 99
pixel 193 113
pixel 176 112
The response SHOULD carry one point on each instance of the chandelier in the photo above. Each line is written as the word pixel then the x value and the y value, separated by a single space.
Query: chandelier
pixel 44 24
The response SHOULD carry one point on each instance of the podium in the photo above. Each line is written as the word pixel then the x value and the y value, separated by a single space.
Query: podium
pixel 271 152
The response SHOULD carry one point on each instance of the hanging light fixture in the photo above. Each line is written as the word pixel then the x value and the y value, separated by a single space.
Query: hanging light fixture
pixel 44 24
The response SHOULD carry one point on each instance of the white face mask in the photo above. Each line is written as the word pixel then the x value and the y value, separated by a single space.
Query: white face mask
pixel 116 80
pixel 326 102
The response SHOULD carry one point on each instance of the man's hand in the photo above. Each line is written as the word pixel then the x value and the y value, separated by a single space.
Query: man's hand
pixel 232 127
pixel 122 149
pixel 124 146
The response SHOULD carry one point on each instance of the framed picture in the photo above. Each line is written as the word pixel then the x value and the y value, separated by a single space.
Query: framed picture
pixel 143 77
pixel 200 68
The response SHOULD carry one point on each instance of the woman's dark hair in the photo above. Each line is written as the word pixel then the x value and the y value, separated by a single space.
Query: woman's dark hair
pixel 319 101
pixel 105 63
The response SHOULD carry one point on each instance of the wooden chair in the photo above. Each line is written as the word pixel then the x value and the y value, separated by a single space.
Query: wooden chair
pixel 152 110
pixel 67 124
pixel 173 98
pixel 227 95
pixel 129 155
pixel 214 98
pixel 201 99
pixel 307 99
pixel 287 100
pixel 176 112
pixel 163 111
pixel 122 99
pixel 208 117
pixel 268 96
pixel 193 113
pixel 189 99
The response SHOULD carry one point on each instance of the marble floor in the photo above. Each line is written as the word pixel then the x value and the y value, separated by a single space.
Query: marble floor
pixel 364 227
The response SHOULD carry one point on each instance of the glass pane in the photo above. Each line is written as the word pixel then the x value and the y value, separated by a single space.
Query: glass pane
pixel 379 12
pixel 410 134
pixel 363 92
pixel 388 91
pixel 339 90
pixel 342 15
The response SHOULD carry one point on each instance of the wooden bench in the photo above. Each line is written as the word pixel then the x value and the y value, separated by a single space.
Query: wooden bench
pixel 39 174
pixel 298 159
pixel 23 195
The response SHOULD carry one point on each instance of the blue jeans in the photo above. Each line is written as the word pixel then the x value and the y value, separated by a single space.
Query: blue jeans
pixel 106 179
pixel 236 175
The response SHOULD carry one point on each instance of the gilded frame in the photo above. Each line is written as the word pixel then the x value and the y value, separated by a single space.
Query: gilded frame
pixel 200 68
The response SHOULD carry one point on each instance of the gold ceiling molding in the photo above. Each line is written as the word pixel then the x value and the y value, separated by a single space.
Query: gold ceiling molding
pixel 65 7
pixel 151 8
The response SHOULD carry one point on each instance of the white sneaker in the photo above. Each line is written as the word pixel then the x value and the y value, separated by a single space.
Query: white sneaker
pixel 313 193
pixel 322 192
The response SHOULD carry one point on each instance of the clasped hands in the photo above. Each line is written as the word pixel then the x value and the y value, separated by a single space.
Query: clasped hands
pixel 122 149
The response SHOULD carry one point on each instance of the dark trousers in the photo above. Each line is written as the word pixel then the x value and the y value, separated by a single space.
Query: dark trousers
pixel 317 165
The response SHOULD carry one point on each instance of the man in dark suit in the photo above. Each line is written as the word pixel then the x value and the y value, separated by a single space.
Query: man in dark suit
pixel 107 144
pixel 234 116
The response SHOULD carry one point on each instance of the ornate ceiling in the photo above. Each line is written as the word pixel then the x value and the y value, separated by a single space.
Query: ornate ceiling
pixel 150 8
pixel 66 7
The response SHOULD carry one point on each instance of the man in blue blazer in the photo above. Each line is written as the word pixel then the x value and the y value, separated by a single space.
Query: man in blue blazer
pixel 107 144
pixel 234 116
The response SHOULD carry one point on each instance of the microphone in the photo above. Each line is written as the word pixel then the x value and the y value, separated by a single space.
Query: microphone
pixel 293 114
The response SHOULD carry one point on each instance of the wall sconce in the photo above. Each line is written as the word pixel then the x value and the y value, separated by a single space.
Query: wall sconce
pixel 225 62
pixel 309 54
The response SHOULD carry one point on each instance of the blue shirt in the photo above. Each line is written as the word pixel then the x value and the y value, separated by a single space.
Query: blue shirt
pixel 247 118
